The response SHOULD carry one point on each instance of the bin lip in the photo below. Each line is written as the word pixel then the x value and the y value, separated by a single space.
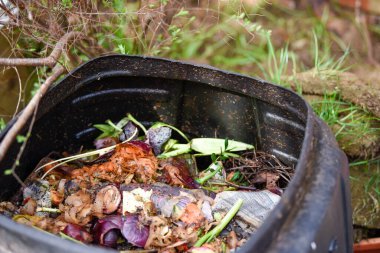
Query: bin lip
pixel 304 156
pixel 51 240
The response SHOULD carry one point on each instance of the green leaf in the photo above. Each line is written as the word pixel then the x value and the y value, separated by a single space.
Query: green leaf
pixel 169 145
pixel 67 3
pixel 104 128
pixel 225 144
pixel 229 154
pixel 208 146
pixel 8 172
pixel 115 128
pixel 124 121
pixel 178 149
pixel 136 122
pixel 121 48
pixel 181 13
pixel 103 135
pixel 21 138
pixel 213 157
pixel 2 124
pixel 236 176
pixel 110 129
pixel 370 183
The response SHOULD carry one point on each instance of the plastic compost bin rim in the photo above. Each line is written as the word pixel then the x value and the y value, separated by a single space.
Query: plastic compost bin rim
pixel 296 182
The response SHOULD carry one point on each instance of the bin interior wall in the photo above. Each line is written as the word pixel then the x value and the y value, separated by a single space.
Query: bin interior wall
pixel 200 110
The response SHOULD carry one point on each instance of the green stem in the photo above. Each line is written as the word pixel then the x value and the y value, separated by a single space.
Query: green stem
pixel 215 167
pixel 211 235
pixel 123 122
pixel 131 118
pixel 109 122
pixel 179 151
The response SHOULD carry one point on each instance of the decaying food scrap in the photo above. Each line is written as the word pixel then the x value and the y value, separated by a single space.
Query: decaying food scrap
pixel 134 193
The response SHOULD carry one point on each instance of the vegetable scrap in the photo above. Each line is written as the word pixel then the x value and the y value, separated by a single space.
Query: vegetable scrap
pixel 152 192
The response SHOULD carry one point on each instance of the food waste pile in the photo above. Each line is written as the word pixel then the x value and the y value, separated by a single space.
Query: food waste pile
pixel 152 189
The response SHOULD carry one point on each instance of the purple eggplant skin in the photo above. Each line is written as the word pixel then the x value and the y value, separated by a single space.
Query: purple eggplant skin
pixel 130 132
pixel 135 233
pixel 157 137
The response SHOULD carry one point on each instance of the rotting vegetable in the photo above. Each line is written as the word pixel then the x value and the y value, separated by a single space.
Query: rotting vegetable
pixel 145 192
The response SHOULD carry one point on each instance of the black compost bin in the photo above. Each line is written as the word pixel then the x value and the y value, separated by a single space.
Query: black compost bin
pixel 314 214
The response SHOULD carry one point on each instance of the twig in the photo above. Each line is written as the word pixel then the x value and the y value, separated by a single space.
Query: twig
pixel 241 186
pixel 5 9
pixel 20 91
pixel 28 111
pixel 49 61
pixel 21 151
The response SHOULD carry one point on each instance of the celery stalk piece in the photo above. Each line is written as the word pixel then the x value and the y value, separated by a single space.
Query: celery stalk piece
pixel 211 235
pixel 212 170
pixel 208 146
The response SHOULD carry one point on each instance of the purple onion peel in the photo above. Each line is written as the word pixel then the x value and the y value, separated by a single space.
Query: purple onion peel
pixel 105 230
pixel 135 233
pixel 77 232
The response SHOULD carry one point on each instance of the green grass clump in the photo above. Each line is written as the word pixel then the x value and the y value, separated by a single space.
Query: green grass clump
pixel 348 121
pixel 2 124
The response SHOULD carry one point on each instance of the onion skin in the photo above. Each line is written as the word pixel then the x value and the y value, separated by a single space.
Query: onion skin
pixel 78 233
pixel 157 137
pixel 105 142
pixel 110 238
pixel 108 198
pixel 135 233
pixel 144 146
pixel 106 230
pixel 71 187
pixel 130 131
